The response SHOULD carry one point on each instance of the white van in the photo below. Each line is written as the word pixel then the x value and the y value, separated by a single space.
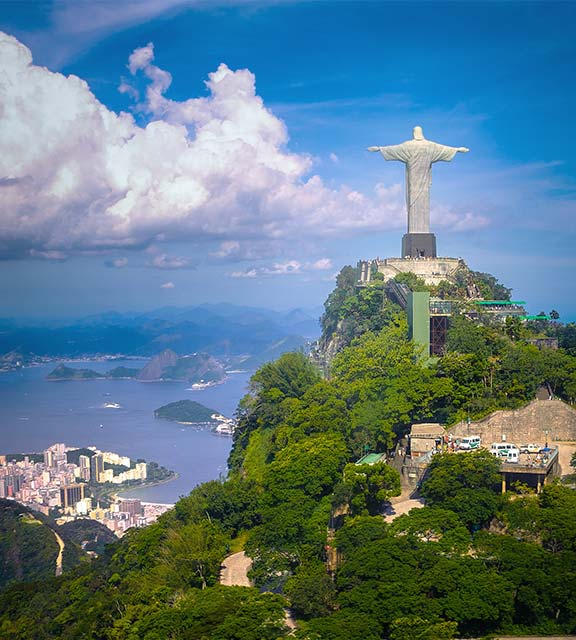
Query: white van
pixel 506 450
pixel 470 442
pixel 513 455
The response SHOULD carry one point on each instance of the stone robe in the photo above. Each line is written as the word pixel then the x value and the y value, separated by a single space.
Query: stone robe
pixel 418 156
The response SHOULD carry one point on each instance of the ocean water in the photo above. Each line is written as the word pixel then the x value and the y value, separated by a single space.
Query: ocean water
pixel 35 413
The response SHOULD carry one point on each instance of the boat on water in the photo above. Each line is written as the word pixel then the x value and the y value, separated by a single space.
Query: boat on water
pixel 112 405
pixel 224 428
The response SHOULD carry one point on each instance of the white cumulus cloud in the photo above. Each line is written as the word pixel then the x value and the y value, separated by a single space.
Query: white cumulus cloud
pixel 323 264
pixel 164 261
pixel 117 263
pixel 288 268
pixel 168 285
pixel 75 176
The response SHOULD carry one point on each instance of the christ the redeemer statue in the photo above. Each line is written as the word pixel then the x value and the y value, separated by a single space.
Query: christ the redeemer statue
pixel 418 155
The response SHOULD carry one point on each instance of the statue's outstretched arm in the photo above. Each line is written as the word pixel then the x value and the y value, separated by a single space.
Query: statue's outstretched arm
pixel 393 152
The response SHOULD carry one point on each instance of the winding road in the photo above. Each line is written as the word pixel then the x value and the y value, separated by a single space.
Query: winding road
pixel 235 569
pixel 60 552
pixel 234 573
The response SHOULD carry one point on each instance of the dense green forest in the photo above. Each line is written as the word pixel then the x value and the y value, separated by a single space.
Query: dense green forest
pixel 470 563
pixel 28 548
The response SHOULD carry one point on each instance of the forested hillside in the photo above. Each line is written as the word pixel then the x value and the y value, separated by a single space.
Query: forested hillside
pixel 470 563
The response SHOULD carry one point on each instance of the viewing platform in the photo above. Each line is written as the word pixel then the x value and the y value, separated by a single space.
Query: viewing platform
pixel 532 470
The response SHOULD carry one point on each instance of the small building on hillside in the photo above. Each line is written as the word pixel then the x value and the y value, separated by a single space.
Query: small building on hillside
pixel 372 458
pixel 426 437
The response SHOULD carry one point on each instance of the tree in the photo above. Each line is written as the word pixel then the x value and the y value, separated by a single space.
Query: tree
pixel 292 374
pixel 342 625
pixel 387 387
pixel 310 591
pixel 412 281
pixel 370 486
pixel 466 483
pixel 558 518
pixel 420 629
pixel 433 524
pixel 345 287
pixel 191 555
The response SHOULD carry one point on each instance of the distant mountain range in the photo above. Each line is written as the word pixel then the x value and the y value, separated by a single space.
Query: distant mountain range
pixel 239 334
pixel 167 366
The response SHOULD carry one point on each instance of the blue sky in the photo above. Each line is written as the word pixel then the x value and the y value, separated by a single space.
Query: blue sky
pixel 256 187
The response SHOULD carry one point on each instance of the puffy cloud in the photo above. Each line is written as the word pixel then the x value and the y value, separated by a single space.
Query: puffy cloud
pixel 53 256
pixel 168 285
pixel 163 261
pixel 284 268
pixel 117 263
pixel 323 264
pixel 227 249
pixel 442 215
pixel 141 58
pixel 75 176
pixel 249 273
pixel 290 267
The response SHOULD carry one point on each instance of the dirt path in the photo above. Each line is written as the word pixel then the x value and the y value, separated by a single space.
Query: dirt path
pixel 565 451
pixel 401 507
pixel 59 558
pixel 234 573
pixel 235 569
pixel 58 570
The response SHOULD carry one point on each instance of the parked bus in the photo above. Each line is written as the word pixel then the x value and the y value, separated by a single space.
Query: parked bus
pixel 470 442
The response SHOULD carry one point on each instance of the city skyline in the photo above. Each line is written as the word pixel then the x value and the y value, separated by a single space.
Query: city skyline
pixel 175 153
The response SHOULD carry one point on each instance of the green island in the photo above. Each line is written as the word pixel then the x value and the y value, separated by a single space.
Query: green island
pixel 470 562
pixel 186 412
pixel 62 372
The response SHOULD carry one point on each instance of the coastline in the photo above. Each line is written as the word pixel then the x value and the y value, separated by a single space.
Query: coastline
pixel 146 485
pixel 46 360
pixel 73 415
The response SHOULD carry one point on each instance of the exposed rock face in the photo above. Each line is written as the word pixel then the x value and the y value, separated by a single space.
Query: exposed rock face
pixel 199 367
pixel 156 367
pixel 327 348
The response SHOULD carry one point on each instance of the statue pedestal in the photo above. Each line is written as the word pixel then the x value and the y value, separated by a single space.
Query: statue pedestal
pixel 419 245
pixel 431 270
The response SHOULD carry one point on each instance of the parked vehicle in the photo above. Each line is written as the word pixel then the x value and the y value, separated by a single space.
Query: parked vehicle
pixel 501 449
pixel 530 448
pixel 512 455
pixel 470 442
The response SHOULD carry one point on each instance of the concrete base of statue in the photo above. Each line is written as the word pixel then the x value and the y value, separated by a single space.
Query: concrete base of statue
pixel 419 245
pixel 431 270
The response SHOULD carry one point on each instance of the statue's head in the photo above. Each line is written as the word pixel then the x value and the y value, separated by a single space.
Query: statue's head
pixel 417 133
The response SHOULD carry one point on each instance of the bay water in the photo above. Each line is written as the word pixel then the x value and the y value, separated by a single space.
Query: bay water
pixel 35 413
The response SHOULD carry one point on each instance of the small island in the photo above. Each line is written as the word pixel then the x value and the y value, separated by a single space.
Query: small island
pixel 187 412
pixel 194 413
pixel 62 372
